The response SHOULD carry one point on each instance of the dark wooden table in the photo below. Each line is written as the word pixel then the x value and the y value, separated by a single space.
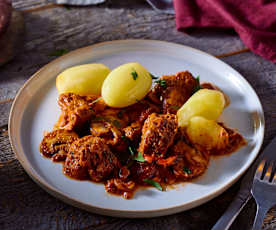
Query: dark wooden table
pixel 50 27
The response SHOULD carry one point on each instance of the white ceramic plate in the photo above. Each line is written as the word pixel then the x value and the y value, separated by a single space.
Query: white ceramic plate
pixel 35 110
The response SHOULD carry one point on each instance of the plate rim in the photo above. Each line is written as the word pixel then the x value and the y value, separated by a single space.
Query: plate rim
pixel 116 212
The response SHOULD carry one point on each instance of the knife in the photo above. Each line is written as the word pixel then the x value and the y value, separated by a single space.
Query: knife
pixel 244 194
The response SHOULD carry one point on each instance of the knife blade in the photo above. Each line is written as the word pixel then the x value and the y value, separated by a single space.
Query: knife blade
pixel 244 194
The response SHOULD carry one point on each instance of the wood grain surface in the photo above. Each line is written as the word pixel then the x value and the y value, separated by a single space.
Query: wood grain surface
pixel 48 27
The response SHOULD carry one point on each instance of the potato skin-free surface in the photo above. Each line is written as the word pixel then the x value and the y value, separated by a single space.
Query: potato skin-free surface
pixel 207 134
pixel 125 85
pixel 205 102
pixel 83 79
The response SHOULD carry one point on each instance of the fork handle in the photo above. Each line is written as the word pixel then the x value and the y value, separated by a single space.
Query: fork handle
pixel 259 218
pixel 231 213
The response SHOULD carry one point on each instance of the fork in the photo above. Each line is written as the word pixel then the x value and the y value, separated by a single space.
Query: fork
pixel 264 190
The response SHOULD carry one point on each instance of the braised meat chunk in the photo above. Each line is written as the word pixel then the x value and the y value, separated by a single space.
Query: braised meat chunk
pixel 90 157
pixel 76 110
pixel 189 162
pixel 173 91
pixel 56 144
pixel 142 171
pixel 109 125
pixel 111 135
pixel 105 130
pixel 133 131
pixel 235 142
pixel 157 135
pixel 103 163
pixel 145 170
pixel 138 113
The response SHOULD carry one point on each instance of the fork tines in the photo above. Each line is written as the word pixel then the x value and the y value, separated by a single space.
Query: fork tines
pixel 266 171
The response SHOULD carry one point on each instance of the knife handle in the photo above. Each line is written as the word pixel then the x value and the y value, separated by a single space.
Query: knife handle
pixel 226 220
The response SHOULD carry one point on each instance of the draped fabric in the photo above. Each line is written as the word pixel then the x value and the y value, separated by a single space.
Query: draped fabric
pixel 254 21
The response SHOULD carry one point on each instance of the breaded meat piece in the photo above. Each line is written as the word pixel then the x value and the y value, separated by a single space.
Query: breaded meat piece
pixel 173 91
pixel 90 157
pixel 158 134
pixel 109 125
pixel 76 110
pixel 138 113
pixel 189 162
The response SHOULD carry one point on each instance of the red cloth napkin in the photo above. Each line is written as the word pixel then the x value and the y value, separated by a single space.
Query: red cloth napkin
pixel 253 20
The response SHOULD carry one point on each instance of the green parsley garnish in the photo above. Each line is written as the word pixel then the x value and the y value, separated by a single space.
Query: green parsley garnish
pixel 175 107
pixel 124 138
pixel 134 74
pixel 154 183
pixel 93 102
pixel 198 86
pixel 58 53
pixel 152 76
pixel 131 150
pixel 162 83
pixel 117 124
pixel 187 170
pixel 139 157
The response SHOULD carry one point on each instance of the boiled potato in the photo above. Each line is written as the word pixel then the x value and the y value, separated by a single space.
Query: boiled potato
pixel 207 133
pixel 82 79
pixel 205 102
pixel 125 85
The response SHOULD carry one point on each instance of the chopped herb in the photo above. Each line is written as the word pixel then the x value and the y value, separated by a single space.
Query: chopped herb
pixel 93 102
pixel 90 108
pixel 154 183
pixel 175 107
pixel 139 157
pixel 117 124
pixel 124 138
pixel 58 53
pixel 187 170
pixel 134 74
pixel 198 79
pixel 162 83
pixel 152 76
pixel 131 150
pixel 198 86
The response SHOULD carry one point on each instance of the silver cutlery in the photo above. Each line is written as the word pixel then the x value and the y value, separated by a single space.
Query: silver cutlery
pixel 244 194
pixel 264 190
